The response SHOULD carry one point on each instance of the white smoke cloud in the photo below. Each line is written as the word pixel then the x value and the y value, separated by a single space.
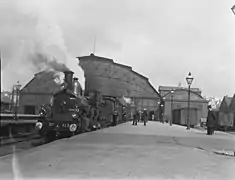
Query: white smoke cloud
pixel 49 38
pixel 59 78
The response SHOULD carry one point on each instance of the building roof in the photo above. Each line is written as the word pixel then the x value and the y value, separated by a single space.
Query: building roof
pixel 232 104
pixel 228 100
pixel 169 88
pixel 114 79
pixel 225 104
pixel 182 95
pixel 42 82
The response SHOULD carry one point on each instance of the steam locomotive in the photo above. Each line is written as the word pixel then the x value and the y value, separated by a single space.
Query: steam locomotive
pixel 70 112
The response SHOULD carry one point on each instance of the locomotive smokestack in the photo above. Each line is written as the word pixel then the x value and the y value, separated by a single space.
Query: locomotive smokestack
pixel 77 89
pixel 68 78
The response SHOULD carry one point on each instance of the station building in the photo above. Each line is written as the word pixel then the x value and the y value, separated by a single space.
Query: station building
pixel 176 105
pixel 37 91
pixel 117 80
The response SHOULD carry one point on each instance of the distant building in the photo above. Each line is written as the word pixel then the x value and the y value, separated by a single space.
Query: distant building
pixel 232 105
pixel 176 105
pixel 5 102
pixel 227 112
pixel 37 92
pixel 166 89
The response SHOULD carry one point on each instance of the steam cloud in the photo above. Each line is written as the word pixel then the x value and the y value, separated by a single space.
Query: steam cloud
pixel 44 46
pixel 42 62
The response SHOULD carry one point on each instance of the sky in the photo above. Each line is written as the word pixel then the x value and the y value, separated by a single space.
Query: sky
pixel 162 40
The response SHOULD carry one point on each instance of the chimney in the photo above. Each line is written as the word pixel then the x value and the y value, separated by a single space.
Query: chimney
pixel 68 78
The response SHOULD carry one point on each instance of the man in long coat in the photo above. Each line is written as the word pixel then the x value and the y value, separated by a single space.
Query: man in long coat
pixel 211 121
pixel 145 116
pixel 115 117
pixel 135 118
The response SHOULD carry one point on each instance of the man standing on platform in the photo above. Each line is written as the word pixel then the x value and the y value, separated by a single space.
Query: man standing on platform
pixel 115 114
pixel 210 123
pixel 135 118
pixel 145 116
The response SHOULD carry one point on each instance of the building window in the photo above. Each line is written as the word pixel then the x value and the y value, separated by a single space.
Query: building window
pixel 29 109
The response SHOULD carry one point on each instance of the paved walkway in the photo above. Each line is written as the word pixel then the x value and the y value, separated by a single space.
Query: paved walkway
pixel 156 151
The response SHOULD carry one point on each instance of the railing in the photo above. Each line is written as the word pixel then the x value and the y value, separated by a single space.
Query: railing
pixel 9 117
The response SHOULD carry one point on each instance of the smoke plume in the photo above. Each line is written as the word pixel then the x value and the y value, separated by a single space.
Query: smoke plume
pixel 42 62
pixel 58 77
pixel 43 46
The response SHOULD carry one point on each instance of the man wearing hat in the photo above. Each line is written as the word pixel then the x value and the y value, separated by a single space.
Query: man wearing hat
pixel 211 120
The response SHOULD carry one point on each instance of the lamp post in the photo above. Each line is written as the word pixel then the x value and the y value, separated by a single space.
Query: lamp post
pixel 162 103
pixel 189 80
pixel 158 114
pixel 16 90
pixel 171 119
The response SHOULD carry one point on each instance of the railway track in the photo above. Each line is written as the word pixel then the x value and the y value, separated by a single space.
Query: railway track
pixel 18 138
pixel 25 141
pixel 20 142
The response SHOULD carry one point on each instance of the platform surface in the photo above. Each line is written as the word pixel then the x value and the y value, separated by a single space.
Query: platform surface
pixel 155 151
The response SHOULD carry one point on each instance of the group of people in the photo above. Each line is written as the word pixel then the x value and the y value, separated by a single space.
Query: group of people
pixel 210 123
pixel 137 116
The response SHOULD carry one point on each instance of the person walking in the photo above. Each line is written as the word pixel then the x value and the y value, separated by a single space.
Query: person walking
pixel 135 120
pixel 210 123
pixel 115 114
pixel 145 117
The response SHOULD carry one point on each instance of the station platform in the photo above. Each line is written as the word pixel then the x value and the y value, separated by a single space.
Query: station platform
pixel 155 151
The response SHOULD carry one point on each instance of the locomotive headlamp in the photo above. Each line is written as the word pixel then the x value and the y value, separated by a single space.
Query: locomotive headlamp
pixel 38 125
pixel 74 115
pixel 42 113
pixel 73 127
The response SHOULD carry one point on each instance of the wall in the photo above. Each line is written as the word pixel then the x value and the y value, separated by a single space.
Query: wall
pixel 176 104
pixel 33 99
pixel 146 103
pixel 180 101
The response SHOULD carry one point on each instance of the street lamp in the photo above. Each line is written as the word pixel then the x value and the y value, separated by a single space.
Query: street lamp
pixel 16 90
pixel 158 117
pixel 161 111
pixel 189 80
pixel 171 119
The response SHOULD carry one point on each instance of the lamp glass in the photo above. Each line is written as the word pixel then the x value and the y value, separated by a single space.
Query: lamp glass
pixel 189 79
pixel 18 86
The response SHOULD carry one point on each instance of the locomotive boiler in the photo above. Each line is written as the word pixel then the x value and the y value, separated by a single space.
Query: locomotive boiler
pixel 66 114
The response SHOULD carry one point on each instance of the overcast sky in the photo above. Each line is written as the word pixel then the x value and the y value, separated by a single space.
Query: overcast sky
pixel 162 40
